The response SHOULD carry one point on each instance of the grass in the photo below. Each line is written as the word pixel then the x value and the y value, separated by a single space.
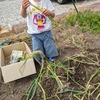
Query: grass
pixel 87 20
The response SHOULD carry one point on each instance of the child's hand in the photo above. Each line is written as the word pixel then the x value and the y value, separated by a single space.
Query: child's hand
pixel 25 4
pixel 48 12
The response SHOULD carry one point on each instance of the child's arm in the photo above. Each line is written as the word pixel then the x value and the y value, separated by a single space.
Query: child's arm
pixel 48 13
pixel 25 4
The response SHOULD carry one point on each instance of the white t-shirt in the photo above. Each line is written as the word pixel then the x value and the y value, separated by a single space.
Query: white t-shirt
pixel 36 21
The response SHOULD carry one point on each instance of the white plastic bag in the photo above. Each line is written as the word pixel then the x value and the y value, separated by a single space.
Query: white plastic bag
pixel 16 55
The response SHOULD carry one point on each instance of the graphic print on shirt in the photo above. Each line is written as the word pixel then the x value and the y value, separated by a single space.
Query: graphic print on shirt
pixel 39 20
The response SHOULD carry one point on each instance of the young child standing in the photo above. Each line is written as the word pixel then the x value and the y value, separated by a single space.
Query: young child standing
pixel 39 26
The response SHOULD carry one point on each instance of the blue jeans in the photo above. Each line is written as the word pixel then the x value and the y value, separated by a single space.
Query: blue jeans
pixel 44 42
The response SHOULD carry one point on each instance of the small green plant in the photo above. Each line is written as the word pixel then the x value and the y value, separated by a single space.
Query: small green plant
pixel 88 21
pixel 71 19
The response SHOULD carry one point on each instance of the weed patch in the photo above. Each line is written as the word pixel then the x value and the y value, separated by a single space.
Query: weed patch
pixel 87 20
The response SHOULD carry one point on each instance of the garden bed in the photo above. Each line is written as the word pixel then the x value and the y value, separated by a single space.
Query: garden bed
pixel 77 68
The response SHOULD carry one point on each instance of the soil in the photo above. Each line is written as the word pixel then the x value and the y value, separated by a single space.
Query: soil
pixel 82 50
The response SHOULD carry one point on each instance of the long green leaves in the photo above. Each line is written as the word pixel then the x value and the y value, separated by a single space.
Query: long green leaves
pixel 75 6
pixel 49 71
pixel 69 90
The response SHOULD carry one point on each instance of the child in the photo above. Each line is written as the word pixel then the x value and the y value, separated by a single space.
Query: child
pixel 39 26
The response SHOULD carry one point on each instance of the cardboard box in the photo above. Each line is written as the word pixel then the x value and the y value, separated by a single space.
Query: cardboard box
pixel 16 70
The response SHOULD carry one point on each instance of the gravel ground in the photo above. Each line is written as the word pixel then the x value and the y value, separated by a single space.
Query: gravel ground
pixel 10 10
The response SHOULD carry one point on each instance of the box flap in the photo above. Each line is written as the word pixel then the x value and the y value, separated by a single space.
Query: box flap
pixel 2 58
pixel 28 49
pixel 16 46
